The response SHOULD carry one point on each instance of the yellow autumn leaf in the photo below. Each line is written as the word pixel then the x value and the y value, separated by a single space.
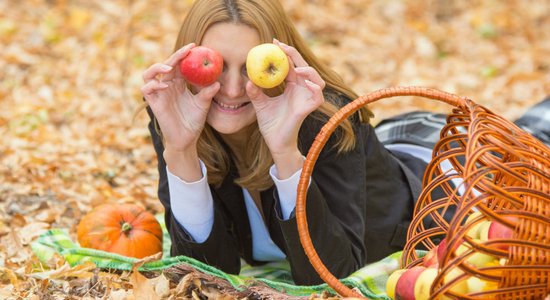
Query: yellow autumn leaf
pixel 79 18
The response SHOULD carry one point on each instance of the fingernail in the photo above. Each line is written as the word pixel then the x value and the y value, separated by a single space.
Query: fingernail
pixel 282 44
pixel 166 67
pixel 276 41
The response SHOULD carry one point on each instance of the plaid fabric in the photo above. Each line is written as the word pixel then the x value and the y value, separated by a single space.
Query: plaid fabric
pixel 417 128
pixel 536 121
pixel 370 280
pixel 423 128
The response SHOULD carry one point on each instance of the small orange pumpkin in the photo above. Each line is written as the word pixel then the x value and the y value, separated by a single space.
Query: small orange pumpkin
pixel 126 229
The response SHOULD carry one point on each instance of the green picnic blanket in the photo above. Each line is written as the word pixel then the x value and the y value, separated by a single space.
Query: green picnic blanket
pixel 370 280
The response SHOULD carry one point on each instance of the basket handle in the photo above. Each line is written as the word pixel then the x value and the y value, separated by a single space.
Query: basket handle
pixel 318 144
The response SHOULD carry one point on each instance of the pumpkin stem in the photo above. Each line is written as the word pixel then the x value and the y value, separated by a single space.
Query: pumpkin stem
pixel 126 227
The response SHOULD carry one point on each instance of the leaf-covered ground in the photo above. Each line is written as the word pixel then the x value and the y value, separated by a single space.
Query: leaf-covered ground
pixel 69 92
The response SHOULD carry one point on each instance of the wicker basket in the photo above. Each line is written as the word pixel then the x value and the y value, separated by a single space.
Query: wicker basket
pixel 504 173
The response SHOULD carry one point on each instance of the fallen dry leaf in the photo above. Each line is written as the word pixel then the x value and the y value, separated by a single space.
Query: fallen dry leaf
pixel 32 230
pixel 144 288
pixel 84 270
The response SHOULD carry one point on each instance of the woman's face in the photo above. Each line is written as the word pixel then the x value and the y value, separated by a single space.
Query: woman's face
pixel 231 110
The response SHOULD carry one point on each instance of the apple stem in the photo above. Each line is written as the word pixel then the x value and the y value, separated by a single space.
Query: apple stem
pixel 272 69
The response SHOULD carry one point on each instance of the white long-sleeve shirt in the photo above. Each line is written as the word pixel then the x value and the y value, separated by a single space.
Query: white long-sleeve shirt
pixel 193 207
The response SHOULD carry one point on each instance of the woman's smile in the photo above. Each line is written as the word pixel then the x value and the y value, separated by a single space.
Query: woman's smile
pixel 226 107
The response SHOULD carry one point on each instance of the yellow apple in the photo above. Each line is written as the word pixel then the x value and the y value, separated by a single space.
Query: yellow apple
pixel 392 282
pixel 484 230
pixel 477 259
pixel 474 231
pixel 458 287
pixel 481 260
pixel 476 285
pixel 502 262
pixel 267 65
pixel 424 283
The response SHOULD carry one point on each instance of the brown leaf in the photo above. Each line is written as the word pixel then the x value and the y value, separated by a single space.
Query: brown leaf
pixel 84 270
pixel 161 285
pixel 143 287
pixel 31 231
pixel 12 277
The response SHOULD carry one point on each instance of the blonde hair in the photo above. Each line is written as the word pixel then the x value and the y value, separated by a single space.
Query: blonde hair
pixel 270 20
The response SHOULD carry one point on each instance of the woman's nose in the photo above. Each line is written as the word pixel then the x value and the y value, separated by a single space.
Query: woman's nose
pixel 232 85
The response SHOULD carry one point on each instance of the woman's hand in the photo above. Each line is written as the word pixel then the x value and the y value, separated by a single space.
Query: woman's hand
pixel 280 117
pixel 181 114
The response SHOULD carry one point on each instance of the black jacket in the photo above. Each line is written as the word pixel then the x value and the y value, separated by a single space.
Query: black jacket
pixel 359 205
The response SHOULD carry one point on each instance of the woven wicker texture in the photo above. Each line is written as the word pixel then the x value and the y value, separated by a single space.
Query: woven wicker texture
pixel 483 163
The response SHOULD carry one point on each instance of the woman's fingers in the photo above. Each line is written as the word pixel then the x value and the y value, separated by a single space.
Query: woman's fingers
pixel 254 92
pixel 310 74
pixel 152 86
pixel 302 69
pixel 154 70
pixel 296 57
pixel 178 55
pixel 207 93
pixel 316 90
pixel 170 71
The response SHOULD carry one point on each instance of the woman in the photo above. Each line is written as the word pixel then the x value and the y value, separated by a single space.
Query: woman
pixel 230 154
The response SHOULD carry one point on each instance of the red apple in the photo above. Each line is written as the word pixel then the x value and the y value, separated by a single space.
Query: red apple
pixel 404 290
pixel 430 259
pixel 498 230
pixel 391 283
pixel 441 249
pixel 201 66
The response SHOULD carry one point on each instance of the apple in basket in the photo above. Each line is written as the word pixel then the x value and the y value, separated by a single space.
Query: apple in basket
pixel 459 286
pixel 430 259
pixel 476 285
pixel 475 257
pixel 474 228
pixel 484 231
pixel 391 283
pixel 404 289
pixel 202 66
pixel 441 249
pixel 498 230
pixel 424 283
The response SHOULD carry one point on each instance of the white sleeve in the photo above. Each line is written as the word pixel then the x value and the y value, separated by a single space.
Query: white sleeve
pixel 192 204
pixel 287 190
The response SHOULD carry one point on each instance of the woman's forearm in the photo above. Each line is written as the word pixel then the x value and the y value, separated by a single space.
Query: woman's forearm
pixel 183 164
pixel 288 163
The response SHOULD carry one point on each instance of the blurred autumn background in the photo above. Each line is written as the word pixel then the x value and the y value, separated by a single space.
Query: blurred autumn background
pixel 69 90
